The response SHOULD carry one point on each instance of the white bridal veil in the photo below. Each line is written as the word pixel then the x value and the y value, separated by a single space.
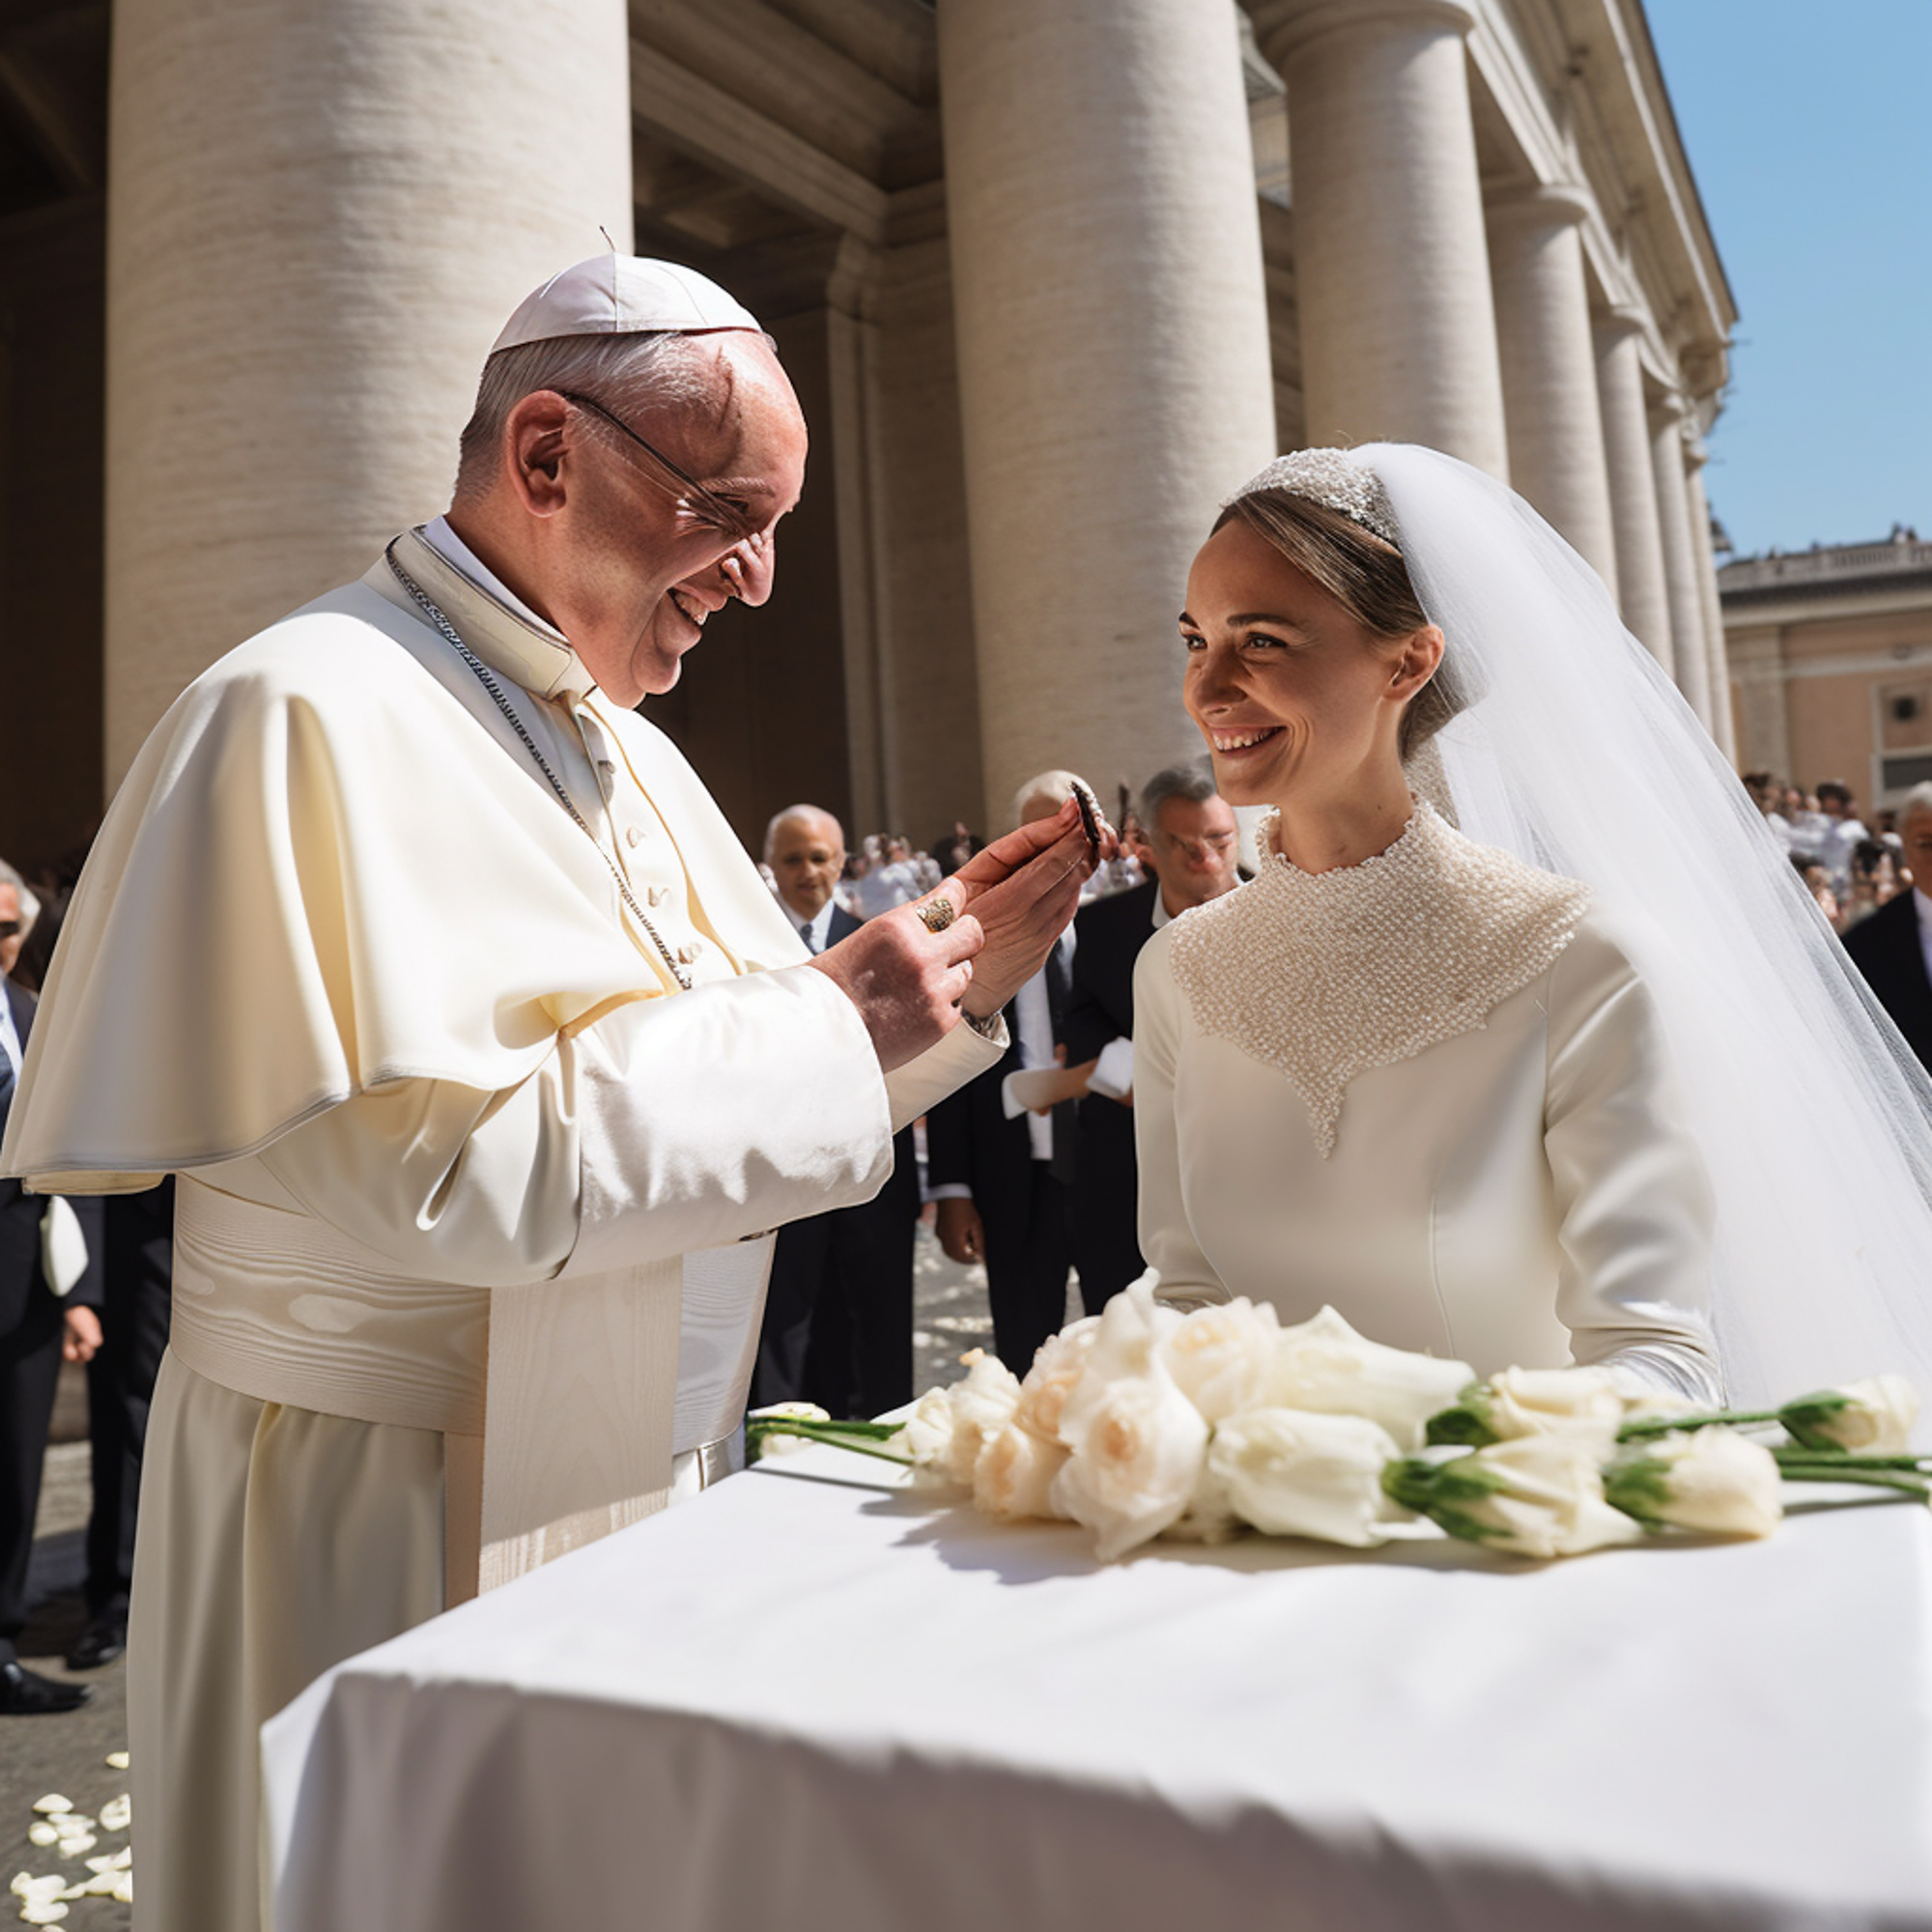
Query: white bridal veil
pixel 1577 754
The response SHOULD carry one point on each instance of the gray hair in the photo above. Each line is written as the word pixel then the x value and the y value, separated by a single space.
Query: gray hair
pixel 1188 783
pixel 1918 799
pixel 626 373
pixel 1057 786
pixel 30 904
pixel 801 812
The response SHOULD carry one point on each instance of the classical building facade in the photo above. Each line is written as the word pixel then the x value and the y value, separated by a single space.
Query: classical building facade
pixel 1830 653
pixel 1051 275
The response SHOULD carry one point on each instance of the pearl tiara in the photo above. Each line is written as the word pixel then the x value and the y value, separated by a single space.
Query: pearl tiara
pixel 1334 479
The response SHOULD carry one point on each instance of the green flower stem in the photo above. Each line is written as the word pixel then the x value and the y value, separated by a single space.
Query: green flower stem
pixel 1830 1472
pixel 1665 1425
pixel 1849 1459
pixel 837 1435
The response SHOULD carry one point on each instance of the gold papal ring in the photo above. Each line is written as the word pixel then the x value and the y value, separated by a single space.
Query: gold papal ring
pixel 936 915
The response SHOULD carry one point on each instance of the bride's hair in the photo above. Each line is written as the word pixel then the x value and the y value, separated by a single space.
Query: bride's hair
pixel 1364 575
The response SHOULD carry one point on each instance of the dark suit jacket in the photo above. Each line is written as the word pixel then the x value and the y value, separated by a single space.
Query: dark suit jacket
pixel 24 1295
pixel 1885 950
pixel 969 1141
pixel 1100 1007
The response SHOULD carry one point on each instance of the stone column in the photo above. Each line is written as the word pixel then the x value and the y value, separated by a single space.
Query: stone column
pixel 1640 581
pixel 1550 366
pixel 1113 344
pixel 320 214
pixel 1716 655
pixel 1398 319
pixel 1680 561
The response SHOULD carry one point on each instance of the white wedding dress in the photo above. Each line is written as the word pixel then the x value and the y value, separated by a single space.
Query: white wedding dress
pixel 1433 1091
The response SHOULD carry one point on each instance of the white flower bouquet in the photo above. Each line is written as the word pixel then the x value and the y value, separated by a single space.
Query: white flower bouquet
pixel 1143 1422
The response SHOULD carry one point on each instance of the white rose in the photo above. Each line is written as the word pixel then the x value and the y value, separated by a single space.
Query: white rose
pixel 1870 1419
pixel 928 1435
pixel 1129 1329
pixel 1220 1355
pixel 1585 1405
pixel 1713 1480
pixel 1056 1369
pixel 1295 1473
pixel 1209 1516
pixel 1324 1366
pixel 982 1404
pixel 1013 1477
pixel 1138 1446
pixel 1537 1495
pixel 775 1444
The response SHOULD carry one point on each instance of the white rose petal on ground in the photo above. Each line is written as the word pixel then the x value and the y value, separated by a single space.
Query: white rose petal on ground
pixel 52 1804
pixel 116 1812
pixel 117 1760
pixel 1296 1473
pixel 26 1885
pixel 49 1914
pixel 1712 1480
pixel 1323 1366
pixel 80 1841
pixel 1138 1448
pixel 41 1833
pixel 1220 1356
pixel 1013 1477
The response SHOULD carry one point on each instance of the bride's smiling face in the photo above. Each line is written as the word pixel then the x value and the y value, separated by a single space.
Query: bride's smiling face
pixel 1292 693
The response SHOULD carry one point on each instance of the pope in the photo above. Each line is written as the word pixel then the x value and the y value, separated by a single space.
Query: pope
pixel 485 1059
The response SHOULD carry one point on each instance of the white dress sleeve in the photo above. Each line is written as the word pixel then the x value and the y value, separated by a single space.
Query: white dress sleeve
pixel 663 1126
pixel 1168 1246
pixel 1635 1204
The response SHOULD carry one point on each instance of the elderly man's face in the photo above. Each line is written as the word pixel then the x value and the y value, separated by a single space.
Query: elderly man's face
pixel 806 856
pixel 1917 832
pixel 644 569
pixel 9 927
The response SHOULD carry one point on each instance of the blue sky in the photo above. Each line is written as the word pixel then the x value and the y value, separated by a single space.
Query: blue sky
pixel 1809 133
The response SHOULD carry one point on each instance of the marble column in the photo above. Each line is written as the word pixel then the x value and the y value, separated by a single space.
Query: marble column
pixel 1397 317
pixel 1680 558
pixel 1641 588
pixel 320 214
pixel 1113 347
pixel 1550 366
pixel 1716 655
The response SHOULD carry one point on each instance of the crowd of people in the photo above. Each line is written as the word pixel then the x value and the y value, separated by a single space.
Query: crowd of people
pixel 1852 869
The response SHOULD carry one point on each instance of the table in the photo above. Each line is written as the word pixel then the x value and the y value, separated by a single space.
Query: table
pixel 812 1699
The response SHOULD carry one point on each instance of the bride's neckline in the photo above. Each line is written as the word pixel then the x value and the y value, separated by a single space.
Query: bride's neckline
pixel 1275 862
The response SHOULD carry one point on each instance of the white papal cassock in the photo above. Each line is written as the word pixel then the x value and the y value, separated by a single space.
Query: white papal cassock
pixel 472 1225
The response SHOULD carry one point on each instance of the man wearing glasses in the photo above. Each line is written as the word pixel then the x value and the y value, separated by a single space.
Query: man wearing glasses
pixel 1191 845
pixel 484 1059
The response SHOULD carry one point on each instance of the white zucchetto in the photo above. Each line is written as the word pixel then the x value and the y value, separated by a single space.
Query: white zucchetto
pixel 623 294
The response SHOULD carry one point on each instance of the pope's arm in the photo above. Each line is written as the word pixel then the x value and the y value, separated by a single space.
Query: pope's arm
pixel 664 1126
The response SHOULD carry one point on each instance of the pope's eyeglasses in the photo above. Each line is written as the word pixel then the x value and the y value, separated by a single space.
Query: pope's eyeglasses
pixel 731 518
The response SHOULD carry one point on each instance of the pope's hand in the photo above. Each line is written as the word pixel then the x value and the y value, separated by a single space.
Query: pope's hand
pixel 906 980
pixel 1024 889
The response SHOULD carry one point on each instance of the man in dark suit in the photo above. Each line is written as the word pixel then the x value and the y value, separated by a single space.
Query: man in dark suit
pixel 1002 1176
pixel 138 1267
pixel 838 1326
pixel 37 1326
pixel 1190 845
pixel 1894 948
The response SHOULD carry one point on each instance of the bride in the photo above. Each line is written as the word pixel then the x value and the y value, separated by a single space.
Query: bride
pixel 1524 1046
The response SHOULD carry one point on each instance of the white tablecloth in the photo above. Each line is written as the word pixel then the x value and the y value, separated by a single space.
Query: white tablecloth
pixel 806 1701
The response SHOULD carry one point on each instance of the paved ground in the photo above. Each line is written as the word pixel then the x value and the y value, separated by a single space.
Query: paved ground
pixel 68 1755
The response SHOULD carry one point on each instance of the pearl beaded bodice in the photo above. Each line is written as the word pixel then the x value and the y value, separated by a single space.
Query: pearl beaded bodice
pixel 1326 975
